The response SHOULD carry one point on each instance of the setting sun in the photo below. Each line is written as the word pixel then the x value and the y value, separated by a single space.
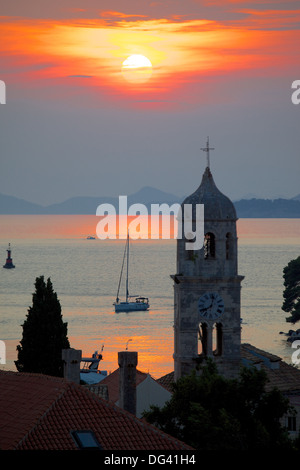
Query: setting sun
pixel 137 68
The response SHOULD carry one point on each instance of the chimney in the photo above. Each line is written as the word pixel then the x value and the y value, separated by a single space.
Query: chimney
pixel 127 380
pixel 71 359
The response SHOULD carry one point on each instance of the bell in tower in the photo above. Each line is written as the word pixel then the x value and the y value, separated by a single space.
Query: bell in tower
pixel 207 321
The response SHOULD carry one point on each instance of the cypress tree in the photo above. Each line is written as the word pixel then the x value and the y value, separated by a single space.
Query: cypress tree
pixel 291 293
pixel 44 333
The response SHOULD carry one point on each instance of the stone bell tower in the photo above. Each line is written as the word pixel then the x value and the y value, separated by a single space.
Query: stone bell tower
pixel 207 286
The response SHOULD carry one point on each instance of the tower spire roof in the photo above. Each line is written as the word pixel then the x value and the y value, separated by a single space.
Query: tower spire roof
pixel 217 206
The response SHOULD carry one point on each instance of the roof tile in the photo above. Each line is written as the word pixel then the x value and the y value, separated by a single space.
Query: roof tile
pixel 39 412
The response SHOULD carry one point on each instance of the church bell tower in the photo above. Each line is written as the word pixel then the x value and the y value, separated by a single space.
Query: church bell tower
pixel 207 322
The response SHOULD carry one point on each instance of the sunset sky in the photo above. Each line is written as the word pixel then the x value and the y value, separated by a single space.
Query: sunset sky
pixel 75 123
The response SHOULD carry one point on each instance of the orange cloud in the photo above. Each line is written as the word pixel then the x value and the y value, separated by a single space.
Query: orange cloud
pixel 269 19
pixel 182 52
pixel 109 13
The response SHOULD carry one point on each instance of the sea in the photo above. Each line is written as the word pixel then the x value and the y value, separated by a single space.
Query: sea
pixel 85 275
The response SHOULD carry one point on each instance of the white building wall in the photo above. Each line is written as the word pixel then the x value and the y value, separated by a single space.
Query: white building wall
pixel 148 393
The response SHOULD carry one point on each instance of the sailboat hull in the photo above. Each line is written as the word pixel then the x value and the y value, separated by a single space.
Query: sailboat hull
pixel 131 307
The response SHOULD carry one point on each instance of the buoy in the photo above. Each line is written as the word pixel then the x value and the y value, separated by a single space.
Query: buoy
pixel 9 264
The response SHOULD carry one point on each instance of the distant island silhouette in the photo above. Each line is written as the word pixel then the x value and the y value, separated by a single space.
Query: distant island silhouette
pixel 86 205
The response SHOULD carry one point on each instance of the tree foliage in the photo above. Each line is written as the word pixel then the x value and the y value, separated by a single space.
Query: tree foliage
pixel 291 293
pixel 210 412
pixel 44 333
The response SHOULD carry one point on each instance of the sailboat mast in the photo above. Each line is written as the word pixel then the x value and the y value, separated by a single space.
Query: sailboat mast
pixel 127 267
pixel 117 299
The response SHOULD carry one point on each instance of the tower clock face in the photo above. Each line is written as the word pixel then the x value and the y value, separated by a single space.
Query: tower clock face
pixel 210 306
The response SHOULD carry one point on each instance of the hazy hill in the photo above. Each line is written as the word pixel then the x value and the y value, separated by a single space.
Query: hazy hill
pixel 246 208
pixel 79 205
pixel 14 205
pixel 84 204
pixel 88 205
pixel 148 195
pixel 268 208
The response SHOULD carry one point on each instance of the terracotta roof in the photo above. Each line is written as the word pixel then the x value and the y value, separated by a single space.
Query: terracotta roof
pixel 280 374
pixel 112 382
pixel 253 352
pixel 167 381
pixel 39 412
pixel 286 378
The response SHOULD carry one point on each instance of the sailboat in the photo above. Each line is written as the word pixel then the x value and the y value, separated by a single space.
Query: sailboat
pixel 132 303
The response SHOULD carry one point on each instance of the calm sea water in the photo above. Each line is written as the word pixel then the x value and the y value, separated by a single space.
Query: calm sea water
pixel 85 275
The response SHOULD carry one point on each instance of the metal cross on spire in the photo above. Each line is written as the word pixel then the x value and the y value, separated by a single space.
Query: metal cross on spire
pixel 207 149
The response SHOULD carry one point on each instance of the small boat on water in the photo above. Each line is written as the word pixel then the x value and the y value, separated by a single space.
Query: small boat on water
pixel 132 303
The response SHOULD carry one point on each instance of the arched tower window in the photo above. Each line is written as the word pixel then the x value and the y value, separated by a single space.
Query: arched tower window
pixel 190 254
pixel 210 339
pixel 229 245
pixel 203 339
pixel 218 339
pixel 209 245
